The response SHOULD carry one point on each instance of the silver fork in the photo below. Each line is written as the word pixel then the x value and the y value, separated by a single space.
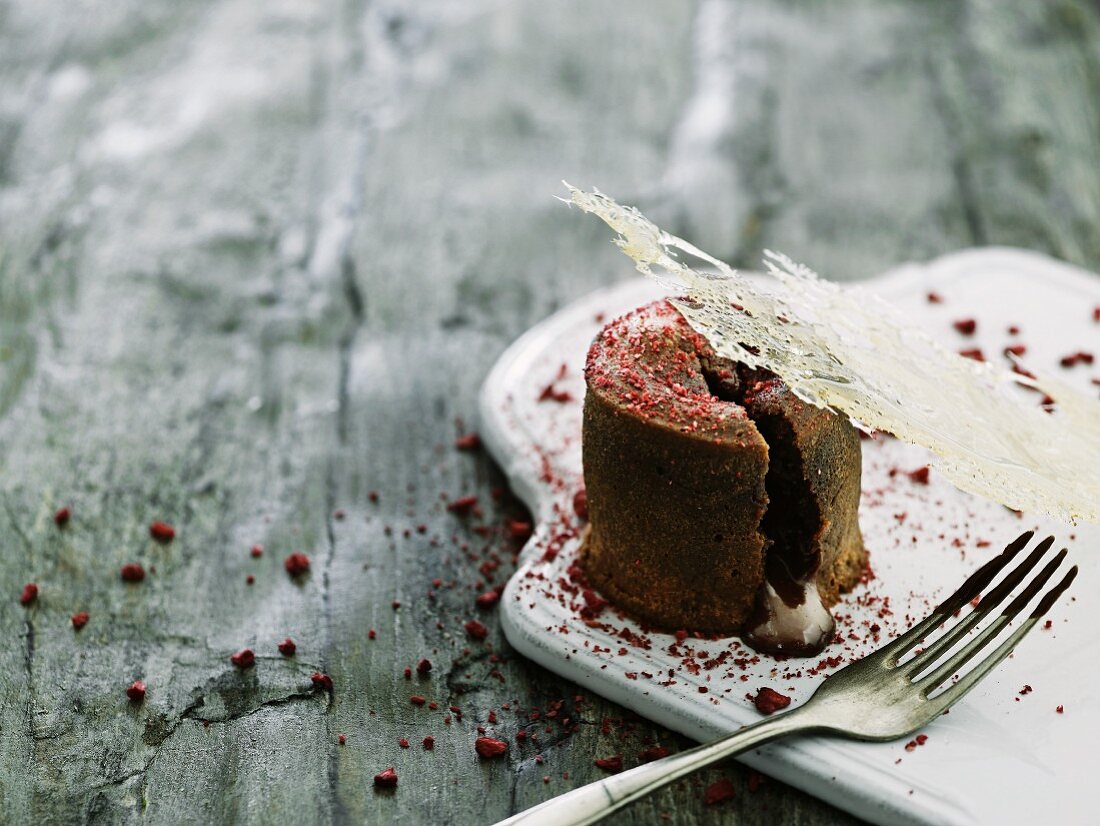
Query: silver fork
pixel 881 697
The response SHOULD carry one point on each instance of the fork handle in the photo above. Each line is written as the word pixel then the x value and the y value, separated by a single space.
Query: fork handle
pixel 593 802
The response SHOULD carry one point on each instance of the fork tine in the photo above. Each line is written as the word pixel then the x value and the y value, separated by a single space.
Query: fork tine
pixel 975 646
pixel 987 603
pixel 967 591
pixel 975 675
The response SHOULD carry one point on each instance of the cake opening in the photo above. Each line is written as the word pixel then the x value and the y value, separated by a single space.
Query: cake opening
pixel 790 616
pixel 792 517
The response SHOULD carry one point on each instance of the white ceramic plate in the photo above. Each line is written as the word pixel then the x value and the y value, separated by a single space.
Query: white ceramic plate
pixel 1000 756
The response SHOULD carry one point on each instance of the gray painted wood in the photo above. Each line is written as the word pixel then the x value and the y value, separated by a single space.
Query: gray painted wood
pixel 255 259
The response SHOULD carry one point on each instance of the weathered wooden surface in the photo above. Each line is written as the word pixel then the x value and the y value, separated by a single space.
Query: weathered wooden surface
pixel 255 259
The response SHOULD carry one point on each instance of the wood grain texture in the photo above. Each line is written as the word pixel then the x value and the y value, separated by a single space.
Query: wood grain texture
pixel 255 259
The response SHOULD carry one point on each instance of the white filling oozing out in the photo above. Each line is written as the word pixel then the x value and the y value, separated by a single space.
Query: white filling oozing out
pixel 805 626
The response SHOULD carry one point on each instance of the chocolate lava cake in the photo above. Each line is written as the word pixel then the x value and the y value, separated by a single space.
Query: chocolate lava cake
pixel 717 500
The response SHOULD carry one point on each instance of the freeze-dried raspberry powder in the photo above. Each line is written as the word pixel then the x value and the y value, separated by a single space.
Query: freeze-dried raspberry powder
pixel 611 764
pixel 296 564
pixel 920 475
pixel 386 779
pixel 719 792
pixel 768 700
pixel 476 629
pixel 488 599
pixel 653 753
pixel 162 532
pixel 471 441
pixel 489 747
pixel 580 504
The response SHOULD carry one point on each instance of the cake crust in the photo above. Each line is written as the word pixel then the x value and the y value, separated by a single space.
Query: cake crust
pixel 680 478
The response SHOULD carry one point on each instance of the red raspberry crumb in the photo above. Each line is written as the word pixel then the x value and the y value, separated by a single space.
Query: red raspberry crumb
pixel 768 700
pixel 403 742
pixel 552 393
pixel 371 634
pixel 1016 350
pixel 1080 357
pixel 518 530
pixel 966 326
pixel 408 673
pixel 373 496
pixel 463 505
pixel 1060 710
pixel 343 739
pixel 79 620
pixel 471 441
pixel 245 658
pixel 417 700
pixel 488 599
pixel 1096 314
pixel 162 532
pixel 580 504
pixel 132 572
pixel 488 747
pixel 612 765
pixel 719 792
pixel 476 629
pixel 257 551
pixel 1048 625
pixel 61 517
pixel 320 680
pixel 653 753
pixel 920 475
pixel 424 667
pixel 29 594
pixel 287 647
pixel 296 564
pixel 974 353
pixel 249 580
pixel 386 779
pixel 429 743
pixel 921 739
pixel 136 691
pixel 935 298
